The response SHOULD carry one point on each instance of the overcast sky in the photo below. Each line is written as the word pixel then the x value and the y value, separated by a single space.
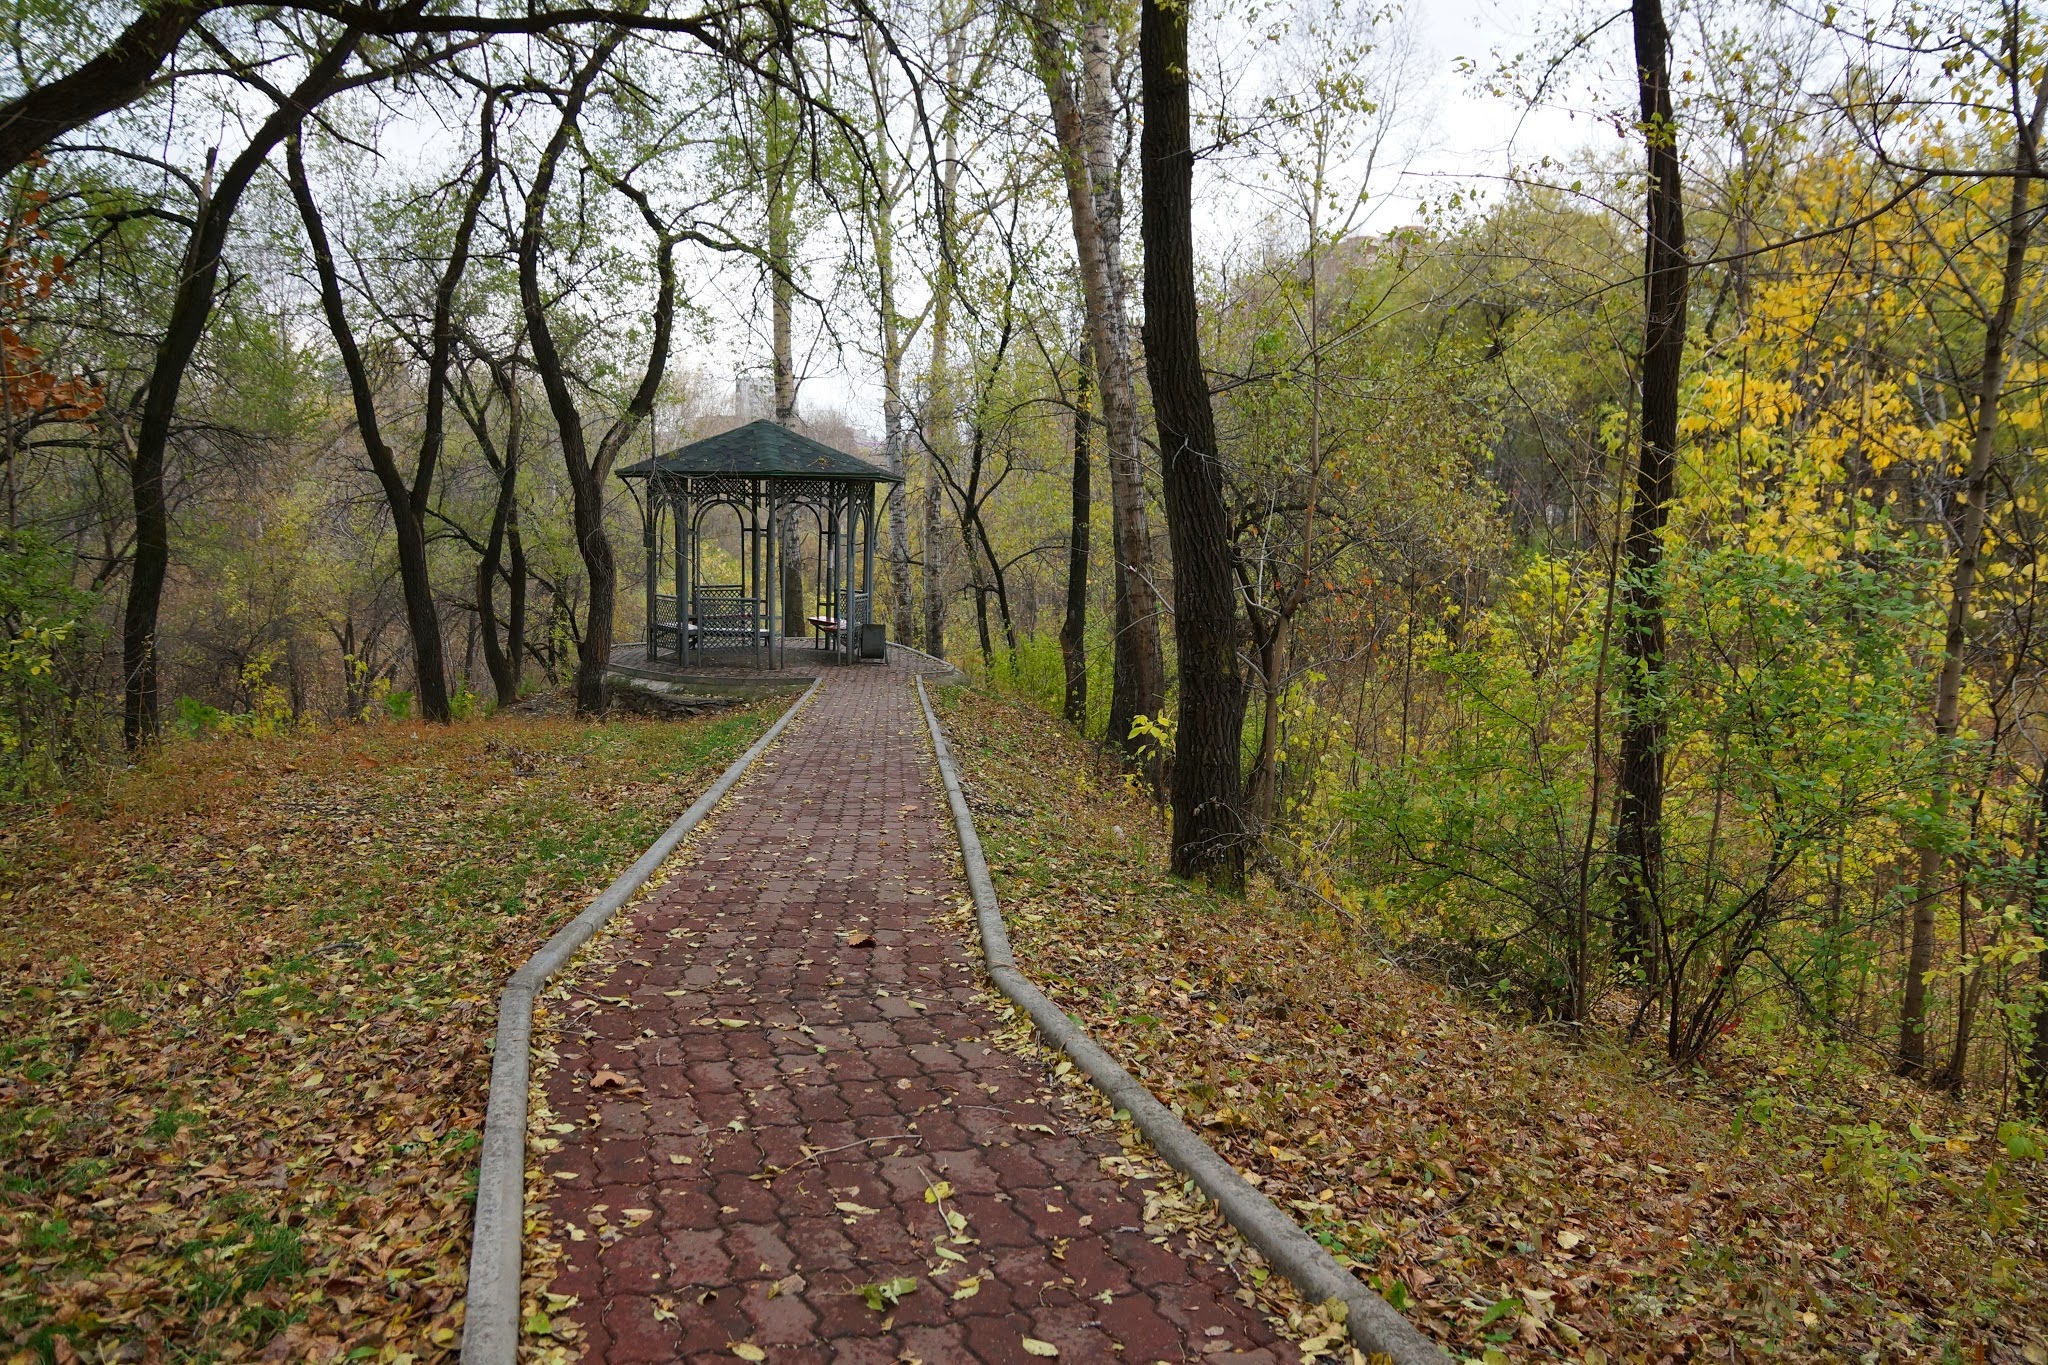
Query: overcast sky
pixel 1466 142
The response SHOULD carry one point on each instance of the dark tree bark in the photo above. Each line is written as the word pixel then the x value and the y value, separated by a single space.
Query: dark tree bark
pixel 588 471
pixel 972 496
pixel 503 641
pixel 1639 837
pixel 108 81
pixel 1074 626
pixel 1208 786
pixel 934 576
pixel 124 72
pixel 191 308
pixel 406 499
pixel 782 148
pixel 1986 398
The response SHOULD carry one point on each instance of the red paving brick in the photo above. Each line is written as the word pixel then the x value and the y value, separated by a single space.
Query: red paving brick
pixel 877 1062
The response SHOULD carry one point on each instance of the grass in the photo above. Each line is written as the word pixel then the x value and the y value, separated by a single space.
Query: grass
pixel 1522 1198
pixel 245 1011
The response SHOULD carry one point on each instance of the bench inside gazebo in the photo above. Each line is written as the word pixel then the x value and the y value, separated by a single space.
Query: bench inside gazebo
pixel 718 518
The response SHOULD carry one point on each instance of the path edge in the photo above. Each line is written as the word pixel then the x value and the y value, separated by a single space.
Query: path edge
pixel 1375 1325
pixel 954 673
pixel 490 1325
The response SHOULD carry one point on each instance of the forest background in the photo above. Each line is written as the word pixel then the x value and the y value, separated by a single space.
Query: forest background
pixel 1621 579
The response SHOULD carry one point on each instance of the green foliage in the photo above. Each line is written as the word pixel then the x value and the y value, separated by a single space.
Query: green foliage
pixel 1788 707
pixel 48 720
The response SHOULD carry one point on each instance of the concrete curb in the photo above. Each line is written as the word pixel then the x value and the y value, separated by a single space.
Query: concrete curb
pixel 951 668
pixel 1373 1323
pixel 490 1334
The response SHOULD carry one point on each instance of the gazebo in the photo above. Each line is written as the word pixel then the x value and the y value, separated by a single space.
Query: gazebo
pixel 716 514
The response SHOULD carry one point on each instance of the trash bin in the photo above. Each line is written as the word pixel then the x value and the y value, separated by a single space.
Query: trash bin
pixel 874 640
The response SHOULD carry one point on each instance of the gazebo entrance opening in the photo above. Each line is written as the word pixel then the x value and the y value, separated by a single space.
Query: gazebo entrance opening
pixel 720 516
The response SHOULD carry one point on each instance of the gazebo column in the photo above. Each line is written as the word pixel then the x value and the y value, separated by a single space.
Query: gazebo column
pixel 773 583
pixel 846 636
pixel 650 544
pixel 867 545
pixel 828 563
pixel 756 556
pixel 683 506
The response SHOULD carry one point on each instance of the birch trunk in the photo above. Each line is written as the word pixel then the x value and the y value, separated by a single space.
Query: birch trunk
pixel 1085 129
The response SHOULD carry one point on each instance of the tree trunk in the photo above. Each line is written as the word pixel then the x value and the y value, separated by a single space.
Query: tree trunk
pixel 1094 204
pixel 934 576
pixel 2033 1043
pixel 1208 789
pixel 1969 994
pixel 1948 686
pixel 998 580
pixel 939 432
pixel 1262 793
pixel 515 598
pixel 109 80
pixel 1640 802
pixel 1074 625
pixel 897 505
pixel 588 473
pixel 191 307
pixel 782 298
pixel 501 654
pixel 406 501
pixel 941 426
pixel 881 223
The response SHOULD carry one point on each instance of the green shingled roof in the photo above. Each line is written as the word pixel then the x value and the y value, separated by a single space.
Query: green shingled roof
pixel 760 449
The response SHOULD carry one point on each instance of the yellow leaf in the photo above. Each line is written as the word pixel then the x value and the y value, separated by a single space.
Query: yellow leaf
pixel 746 1350
pixel 1034 1347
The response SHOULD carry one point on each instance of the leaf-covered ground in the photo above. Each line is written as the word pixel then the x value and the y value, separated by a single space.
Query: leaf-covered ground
pixel 1523 1199
pixel 245 1003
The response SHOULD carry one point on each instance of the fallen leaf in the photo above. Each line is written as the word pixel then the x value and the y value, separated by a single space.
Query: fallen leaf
pixel 888 1293
pixel 1034 1347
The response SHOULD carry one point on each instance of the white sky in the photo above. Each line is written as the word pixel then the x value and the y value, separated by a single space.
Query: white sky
pixel 1468 140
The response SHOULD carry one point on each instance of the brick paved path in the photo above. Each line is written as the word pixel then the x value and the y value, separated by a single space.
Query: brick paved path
pixel 761 1034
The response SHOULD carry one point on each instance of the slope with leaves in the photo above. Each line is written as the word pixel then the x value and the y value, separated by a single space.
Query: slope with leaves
pixel 1522 1199
pixel 245 1015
